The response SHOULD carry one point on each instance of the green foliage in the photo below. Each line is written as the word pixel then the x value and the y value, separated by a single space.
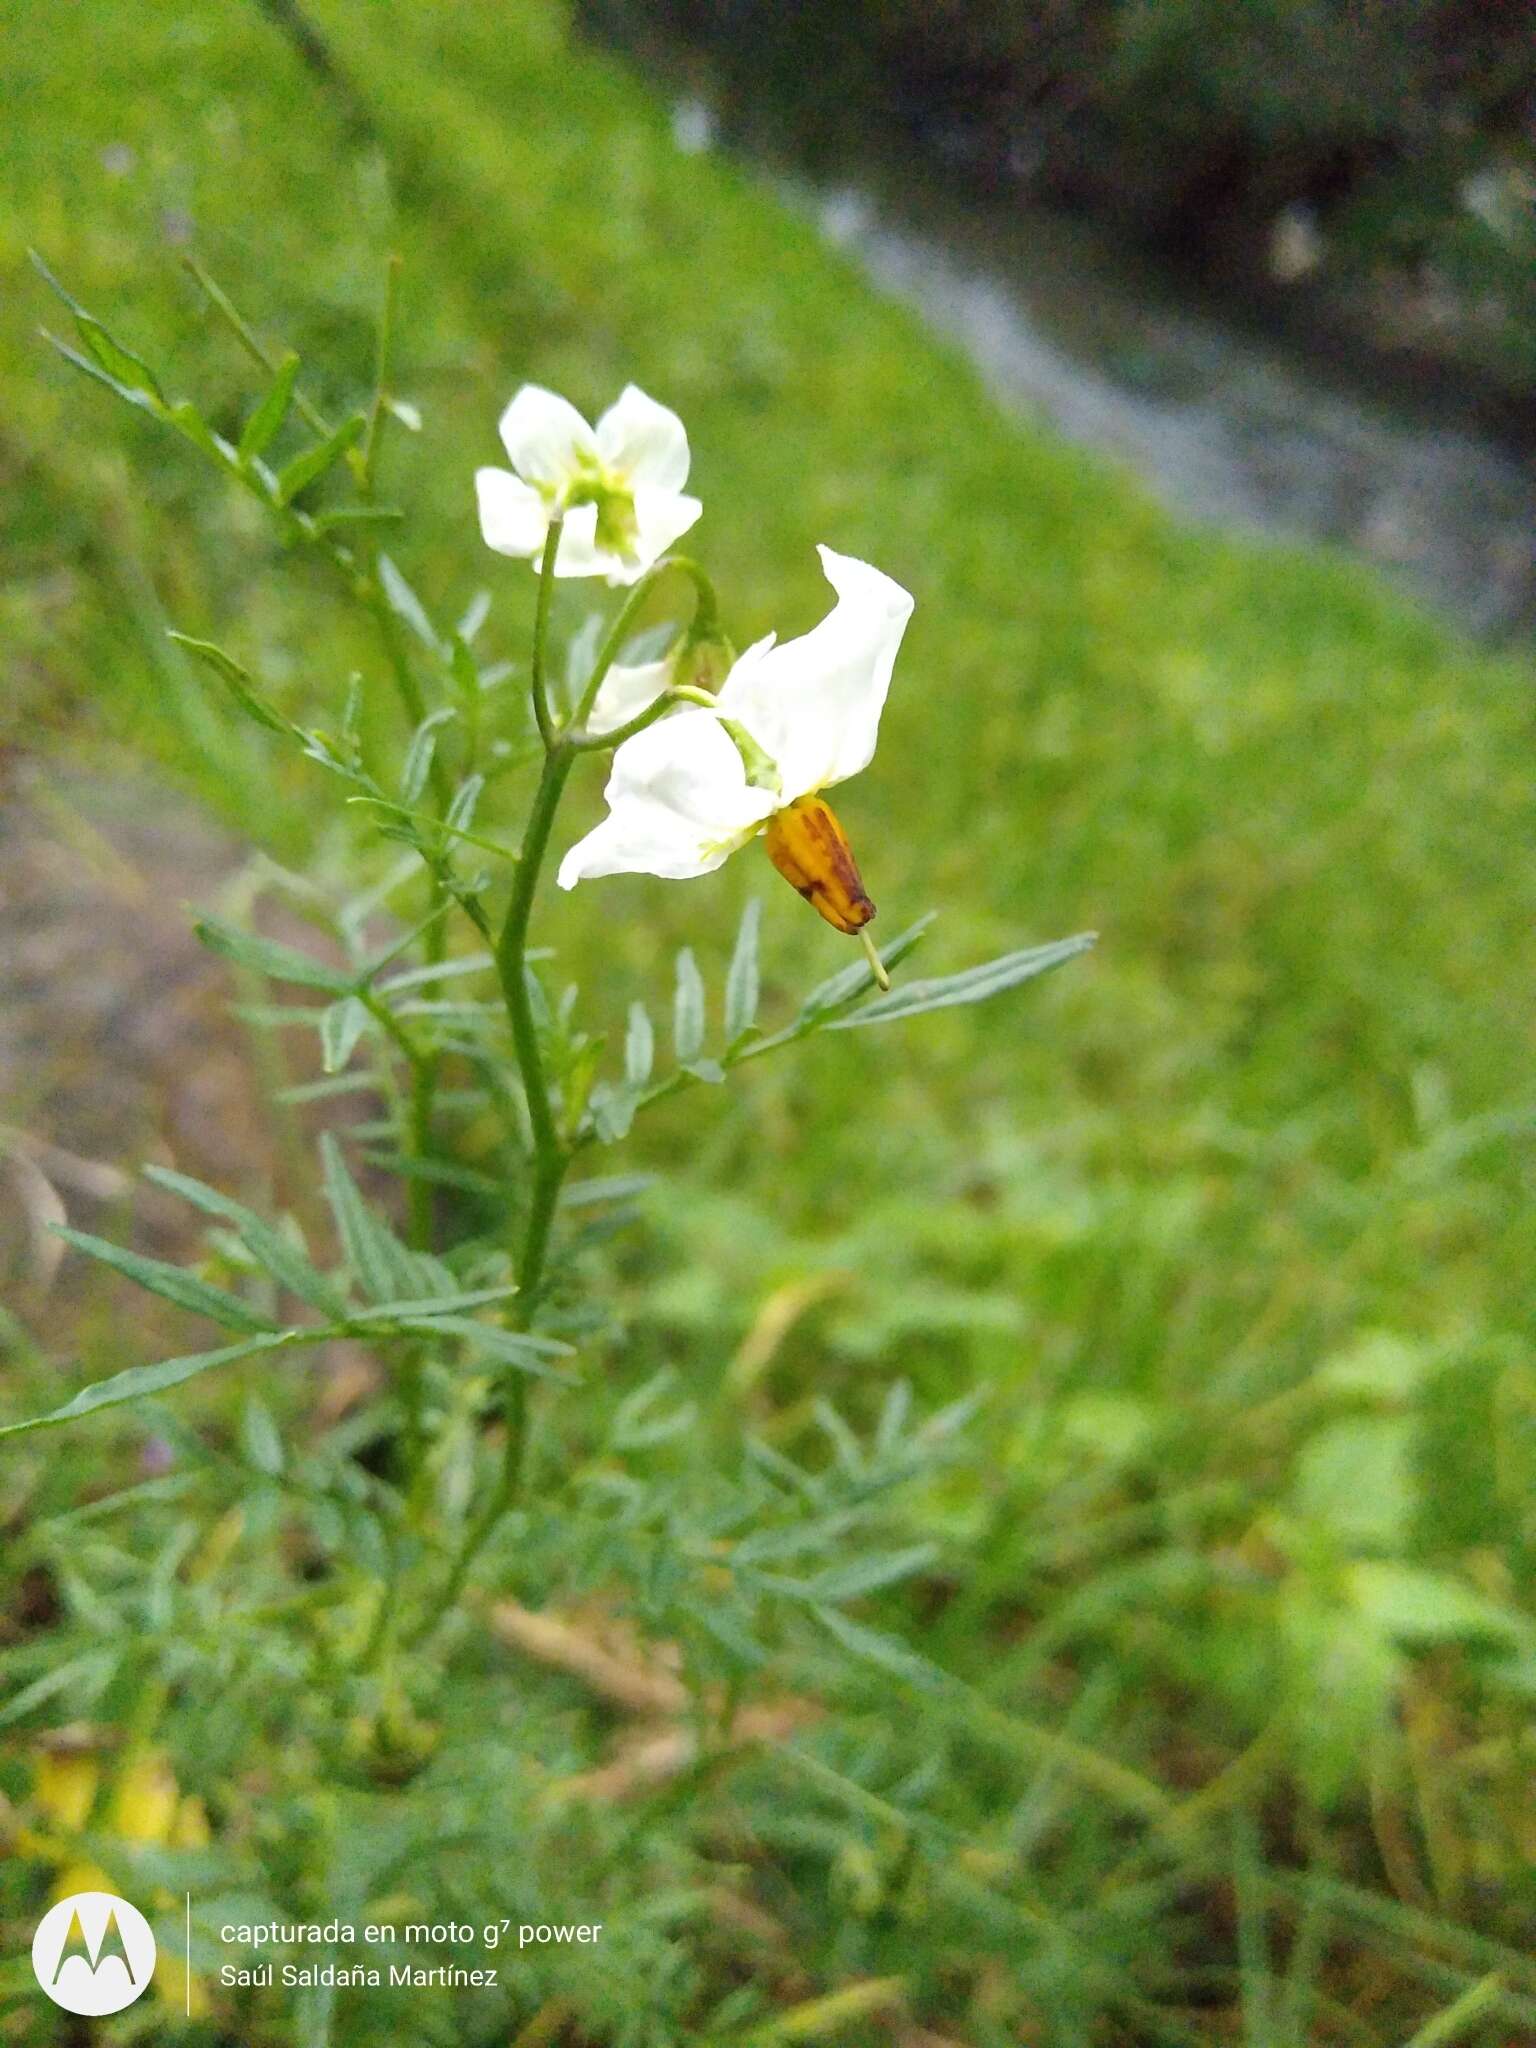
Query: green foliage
pixel 971 985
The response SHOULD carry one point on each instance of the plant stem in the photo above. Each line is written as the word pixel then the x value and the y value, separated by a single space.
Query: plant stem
pixel 246 335
pixel 424 1068
pixel 551 1153
pixel 543 715
pixel 511 956
pixel 705 621
pixel 418 1195
pixel 551 1157
pixel 378 408
pixel 603 742
pixel 416 1120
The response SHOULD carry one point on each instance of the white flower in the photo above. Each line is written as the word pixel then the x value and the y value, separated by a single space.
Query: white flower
pixel 681 797
pixel 619 488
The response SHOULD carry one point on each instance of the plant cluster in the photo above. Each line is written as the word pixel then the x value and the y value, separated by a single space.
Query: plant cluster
pixel 323 1572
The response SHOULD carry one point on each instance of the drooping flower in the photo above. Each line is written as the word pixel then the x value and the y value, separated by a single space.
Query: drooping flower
pixel 618 488
pixel 789 722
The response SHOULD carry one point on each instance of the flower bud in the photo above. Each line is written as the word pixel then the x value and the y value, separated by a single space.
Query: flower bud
pixel 704 663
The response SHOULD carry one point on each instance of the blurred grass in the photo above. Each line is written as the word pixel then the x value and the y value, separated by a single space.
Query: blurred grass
pixel 1231 1222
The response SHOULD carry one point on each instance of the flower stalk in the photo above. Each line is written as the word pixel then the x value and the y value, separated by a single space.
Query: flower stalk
pixel 551 1158
pixel 543 715
pixel 551 1152
pixel 705 626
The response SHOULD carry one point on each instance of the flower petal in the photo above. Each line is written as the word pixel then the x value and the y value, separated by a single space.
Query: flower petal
pixel 626 692
pixel 643 441
pixel 579 553
pixel 660 518
pixel 679 805
pixel 546 437
pixel 513 517
pixel 814 703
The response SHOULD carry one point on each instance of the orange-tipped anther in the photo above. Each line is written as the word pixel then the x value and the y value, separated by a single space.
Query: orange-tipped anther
pixel 810 850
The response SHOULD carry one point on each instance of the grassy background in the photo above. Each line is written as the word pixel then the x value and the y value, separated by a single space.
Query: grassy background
pixel 1229 1224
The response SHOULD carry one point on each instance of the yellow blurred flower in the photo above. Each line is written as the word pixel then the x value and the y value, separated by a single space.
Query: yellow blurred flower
pixel 64 1786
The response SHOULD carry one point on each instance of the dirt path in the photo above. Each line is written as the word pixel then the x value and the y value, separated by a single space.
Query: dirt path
pixel 116 1040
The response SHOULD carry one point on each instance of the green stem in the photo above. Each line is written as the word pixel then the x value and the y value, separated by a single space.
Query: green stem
pixel 424 1079
pixel 602 742
pixel 246 335
pixel 511 956
pixel 551 1157
pixel 418 1121
pixel 551 1153
pixel 378 406
pixel 705 621
pixel 424 1066
pixel 412 702
pixel 541 710
pixel 418 1195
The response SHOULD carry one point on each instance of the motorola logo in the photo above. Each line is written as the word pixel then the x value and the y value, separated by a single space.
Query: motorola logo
pixel 93 1953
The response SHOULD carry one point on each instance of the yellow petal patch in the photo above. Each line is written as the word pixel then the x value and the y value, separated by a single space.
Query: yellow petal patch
pixel 191 1829
pixel 144 1805
pixel 81 1877
pixel 65 1787
pixel 171 1984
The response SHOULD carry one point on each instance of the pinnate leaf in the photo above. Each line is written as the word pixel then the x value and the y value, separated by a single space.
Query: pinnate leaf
pixel 172 1283
pixel 972 985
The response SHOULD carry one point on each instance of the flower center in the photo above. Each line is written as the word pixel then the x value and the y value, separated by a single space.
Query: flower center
pixel 618 531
